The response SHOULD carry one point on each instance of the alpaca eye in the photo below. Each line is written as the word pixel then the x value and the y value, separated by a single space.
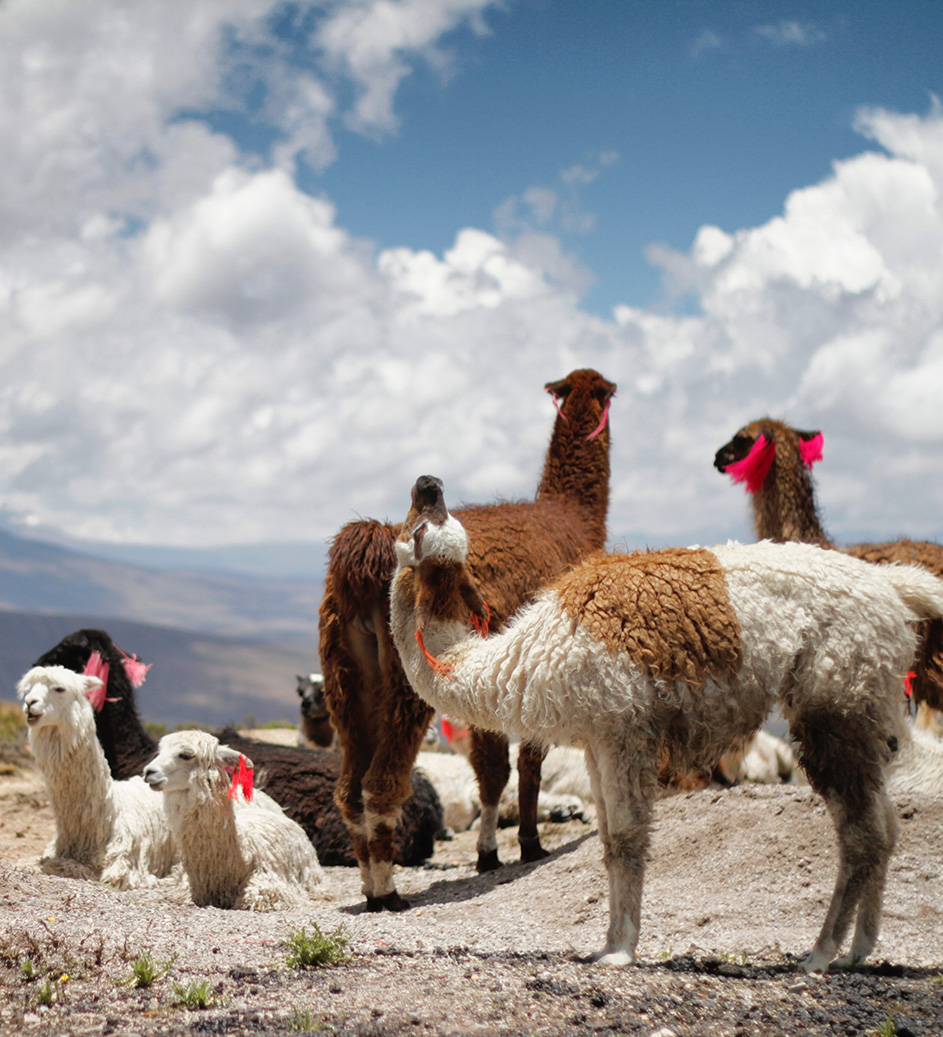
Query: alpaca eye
pixel 185 756
pixel 59 691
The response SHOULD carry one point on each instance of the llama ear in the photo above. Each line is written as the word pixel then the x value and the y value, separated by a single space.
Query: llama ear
pixel 810 447
pixel 94 689
pixel 229 757
pixel 475 602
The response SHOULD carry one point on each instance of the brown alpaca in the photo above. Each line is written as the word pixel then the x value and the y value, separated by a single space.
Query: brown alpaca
pixel 518 547
pixel 777 474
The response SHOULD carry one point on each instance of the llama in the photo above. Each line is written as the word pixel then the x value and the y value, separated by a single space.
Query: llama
pixel 684 650
pixel 238 847
pixel 106 830
pixel 316 730
pixel 302 781
pixel 519 546
pixel 775 462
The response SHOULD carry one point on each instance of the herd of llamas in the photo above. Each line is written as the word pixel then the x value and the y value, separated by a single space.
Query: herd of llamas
pixel 652 668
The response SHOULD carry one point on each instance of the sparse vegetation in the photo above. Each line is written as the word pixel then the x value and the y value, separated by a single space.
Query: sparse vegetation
pixel 145 971
pixel 319 950
pixel 28 970
pixel 45 993
pixel 302 1021
pixel 195 995
pixel 887 1029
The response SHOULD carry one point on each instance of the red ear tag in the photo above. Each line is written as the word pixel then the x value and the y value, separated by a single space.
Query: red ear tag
pixel 810 450
pixel 242 778
pixel 754 468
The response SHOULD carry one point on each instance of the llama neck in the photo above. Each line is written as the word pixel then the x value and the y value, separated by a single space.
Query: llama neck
pixel 576 470
pixel 126 744
pixel 205 830
pixel 80 790
pixel 784 507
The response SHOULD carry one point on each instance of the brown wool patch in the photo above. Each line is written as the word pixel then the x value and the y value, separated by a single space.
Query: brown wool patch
pixel 668 610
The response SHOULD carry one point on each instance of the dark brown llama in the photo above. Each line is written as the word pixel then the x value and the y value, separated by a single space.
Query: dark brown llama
pixel 517 547
pixel 775 462
pixel 300 780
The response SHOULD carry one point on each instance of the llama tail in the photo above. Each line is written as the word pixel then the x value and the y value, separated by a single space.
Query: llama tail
pixel 918 588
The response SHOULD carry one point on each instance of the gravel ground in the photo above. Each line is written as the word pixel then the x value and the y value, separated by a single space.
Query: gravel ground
pixel 736 891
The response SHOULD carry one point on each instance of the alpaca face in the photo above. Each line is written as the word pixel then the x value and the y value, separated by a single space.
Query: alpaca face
pixel 188 761
pixel 54 696
pixel 773 432
pixel 311 693
pixel 429 530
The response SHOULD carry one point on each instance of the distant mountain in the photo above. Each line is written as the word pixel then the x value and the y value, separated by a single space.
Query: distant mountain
pixel 36 576
pixel 194 677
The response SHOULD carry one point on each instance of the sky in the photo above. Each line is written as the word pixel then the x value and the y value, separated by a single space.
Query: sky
pixel 262 264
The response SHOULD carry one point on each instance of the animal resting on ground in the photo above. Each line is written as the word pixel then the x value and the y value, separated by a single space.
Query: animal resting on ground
pixel 682 651
pixel 300 780
pixel 238 847
pixel 106 830
pixel 775 463
pixel 316 730
pixel 517 547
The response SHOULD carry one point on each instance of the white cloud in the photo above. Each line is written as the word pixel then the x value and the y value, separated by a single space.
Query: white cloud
pixel 707 40
pixel 194 350
pixel 792 34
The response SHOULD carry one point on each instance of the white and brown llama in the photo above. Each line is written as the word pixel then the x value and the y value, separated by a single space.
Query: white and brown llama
pixel 775 463
pixel 380 722
pixel 684 651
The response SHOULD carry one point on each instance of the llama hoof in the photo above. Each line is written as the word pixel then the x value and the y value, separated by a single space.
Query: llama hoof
pixel 488 862
pixel 814 962
pixel 391 902
pixel 617 958
pixel 531 851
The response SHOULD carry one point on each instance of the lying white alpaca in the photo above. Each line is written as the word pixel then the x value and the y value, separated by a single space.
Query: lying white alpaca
pixel 236 853
pixel 918 767
pixel 683 651
pixel 106 830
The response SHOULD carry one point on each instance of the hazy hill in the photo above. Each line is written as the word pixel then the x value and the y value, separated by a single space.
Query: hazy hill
pixel 43 577
pixel 222 644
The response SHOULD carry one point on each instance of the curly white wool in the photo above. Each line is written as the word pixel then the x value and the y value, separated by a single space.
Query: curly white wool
pixel 236 854
pixel 112 831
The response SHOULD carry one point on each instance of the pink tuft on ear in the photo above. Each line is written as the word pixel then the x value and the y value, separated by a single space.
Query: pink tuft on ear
pixel 242 778
pixel 810 450
pixel 134 668
pixel 97 667
pixel 754 468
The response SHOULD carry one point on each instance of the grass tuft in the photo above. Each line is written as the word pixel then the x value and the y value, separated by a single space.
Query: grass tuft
pixel 319 950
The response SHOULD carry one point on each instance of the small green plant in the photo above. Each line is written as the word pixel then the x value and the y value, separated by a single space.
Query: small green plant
pixel 735 959
pixel 145 971
pixel 28 970
pixel 196 995
pixel 305 1022
pixel 319 950
pixel 887 1029
pixel 45 993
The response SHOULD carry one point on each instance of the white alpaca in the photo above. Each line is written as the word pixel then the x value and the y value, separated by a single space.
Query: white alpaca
pixel 237 854
pixel 918 767
pixel 106 830
pixel 683 651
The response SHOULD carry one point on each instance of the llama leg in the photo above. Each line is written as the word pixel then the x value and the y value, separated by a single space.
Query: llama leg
pixel 596 785
pixel 386 786
pixel 876 858
pixel 348 795
pixel 627 800
pixel 845 770
pixel 529 760
pixel 489 760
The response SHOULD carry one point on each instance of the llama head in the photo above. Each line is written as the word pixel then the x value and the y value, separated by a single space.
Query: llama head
pixel 586 393
pixel 430 532
pixel 749 456
pixel 433 547
pixel 55 696
pixel 192 762
pixel 311 693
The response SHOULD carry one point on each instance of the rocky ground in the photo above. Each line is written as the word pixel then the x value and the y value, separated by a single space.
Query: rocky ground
pixel 736 891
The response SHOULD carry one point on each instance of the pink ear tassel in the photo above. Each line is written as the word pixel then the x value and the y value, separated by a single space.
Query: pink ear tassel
pixel 810 450
pixel 242 778
pixel 754 468
pixel 134 668
pixel 97 667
